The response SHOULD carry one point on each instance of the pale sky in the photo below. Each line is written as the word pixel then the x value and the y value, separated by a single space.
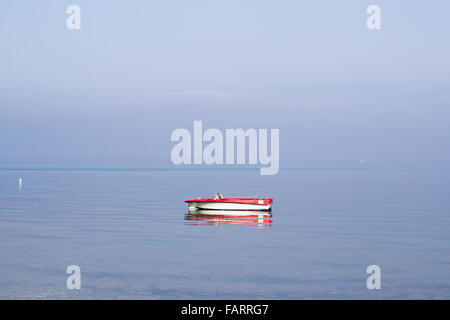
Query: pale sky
pixel 111 93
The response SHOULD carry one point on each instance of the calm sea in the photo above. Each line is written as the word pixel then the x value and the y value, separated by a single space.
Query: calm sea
pixel 129 233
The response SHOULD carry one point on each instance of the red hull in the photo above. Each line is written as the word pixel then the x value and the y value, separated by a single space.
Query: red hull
pixel 265 201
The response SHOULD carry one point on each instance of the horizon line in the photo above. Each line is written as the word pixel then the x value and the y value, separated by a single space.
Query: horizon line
pixel 178 168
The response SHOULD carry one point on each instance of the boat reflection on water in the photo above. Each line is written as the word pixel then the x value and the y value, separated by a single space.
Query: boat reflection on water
pixel 256 219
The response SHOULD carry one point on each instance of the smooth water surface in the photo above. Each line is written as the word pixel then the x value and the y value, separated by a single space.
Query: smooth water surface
pixel 131 236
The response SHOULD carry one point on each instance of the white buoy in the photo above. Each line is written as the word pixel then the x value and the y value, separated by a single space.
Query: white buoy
pixel 20 181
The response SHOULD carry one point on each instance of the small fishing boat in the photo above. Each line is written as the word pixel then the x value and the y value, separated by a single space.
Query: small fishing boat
pixel 219 202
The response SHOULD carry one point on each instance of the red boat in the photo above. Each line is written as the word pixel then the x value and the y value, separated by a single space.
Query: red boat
pixel 219 202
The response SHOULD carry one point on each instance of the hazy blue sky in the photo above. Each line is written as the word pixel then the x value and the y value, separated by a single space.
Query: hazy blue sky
pixel 112 92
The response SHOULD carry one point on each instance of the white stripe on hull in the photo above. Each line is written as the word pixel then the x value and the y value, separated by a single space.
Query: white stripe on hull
pixel 227 206
pixel 232 213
